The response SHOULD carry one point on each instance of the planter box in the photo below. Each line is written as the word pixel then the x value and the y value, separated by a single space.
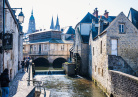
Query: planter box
pixel 69 68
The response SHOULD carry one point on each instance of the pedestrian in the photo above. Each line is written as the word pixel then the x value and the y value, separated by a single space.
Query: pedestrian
pixel 23 64
pixel 27 64
pixel 24 58
pixel 4 79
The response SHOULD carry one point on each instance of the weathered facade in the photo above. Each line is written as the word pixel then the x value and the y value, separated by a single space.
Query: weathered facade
pixel 113 48
pixel 79 51
pixel 11 59
pixel 1 29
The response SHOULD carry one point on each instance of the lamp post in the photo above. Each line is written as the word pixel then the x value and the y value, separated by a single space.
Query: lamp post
pixel 19 22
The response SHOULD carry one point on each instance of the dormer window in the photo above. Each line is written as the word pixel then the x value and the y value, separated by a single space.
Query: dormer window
pixel 121 29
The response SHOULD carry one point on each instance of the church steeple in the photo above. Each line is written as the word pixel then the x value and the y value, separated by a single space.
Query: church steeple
pixel 31 27
pixel 32 12
pixel 57 26
pixel 52 24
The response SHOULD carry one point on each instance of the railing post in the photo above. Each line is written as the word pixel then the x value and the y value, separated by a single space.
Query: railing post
pixel 29 77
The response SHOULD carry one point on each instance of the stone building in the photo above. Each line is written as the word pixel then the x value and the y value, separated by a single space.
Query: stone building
pixel 80 46
pixel 12 58
pixel 113 47
pixel 82 31
pixel 48 46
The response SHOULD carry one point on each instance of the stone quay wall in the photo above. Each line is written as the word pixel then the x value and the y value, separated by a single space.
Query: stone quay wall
pixel 123 85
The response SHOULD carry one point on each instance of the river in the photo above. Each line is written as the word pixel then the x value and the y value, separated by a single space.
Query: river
pixel 65 86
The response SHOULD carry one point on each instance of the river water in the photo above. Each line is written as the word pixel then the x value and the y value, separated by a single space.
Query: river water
pixel 64 86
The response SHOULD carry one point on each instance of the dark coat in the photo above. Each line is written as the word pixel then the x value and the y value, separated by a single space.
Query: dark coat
pixel 4 79
pixel 22 63
pixel 27 63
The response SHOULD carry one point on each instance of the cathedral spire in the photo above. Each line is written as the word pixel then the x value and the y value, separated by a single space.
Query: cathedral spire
pixel 31 26
pixel 32 12
pixel 57 23
pixel 57 27
pixel 52 24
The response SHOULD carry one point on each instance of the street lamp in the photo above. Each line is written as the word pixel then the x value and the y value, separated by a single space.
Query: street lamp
pixel 21 17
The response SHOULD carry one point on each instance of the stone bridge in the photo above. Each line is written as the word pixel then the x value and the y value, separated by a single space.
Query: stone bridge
pixel 44 60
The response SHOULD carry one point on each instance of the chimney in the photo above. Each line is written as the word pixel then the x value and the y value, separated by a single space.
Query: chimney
pixel 106 14
pixel 95 13
pixel 100 29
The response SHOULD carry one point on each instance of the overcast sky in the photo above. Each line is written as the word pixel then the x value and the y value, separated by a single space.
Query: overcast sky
pixel 70 12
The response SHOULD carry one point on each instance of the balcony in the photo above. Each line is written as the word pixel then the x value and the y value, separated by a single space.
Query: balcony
pixel 38 53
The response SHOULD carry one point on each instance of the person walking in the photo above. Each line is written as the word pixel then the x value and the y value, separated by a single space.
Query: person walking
pixel 27 64
pixel 22 66
pixel 4 79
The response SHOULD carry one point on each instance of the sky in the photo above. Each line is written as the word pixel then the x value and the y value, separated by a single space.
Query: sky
pixel 69 12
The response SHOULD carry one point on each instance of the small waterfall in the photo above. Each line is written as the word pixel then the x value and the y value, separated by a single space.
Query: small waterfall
pixel 50 72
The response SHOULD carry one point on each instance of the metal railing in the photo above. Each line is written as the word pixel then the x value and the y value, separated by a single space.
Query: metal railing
pixel 39 86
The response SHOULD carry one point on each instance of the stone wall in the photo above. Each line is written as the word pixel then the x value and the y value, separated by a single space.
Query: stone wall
pixel 100 62
pixel 84 59
pixel 127 43
pixel 119 64
pixel 1 29
pixel 123 85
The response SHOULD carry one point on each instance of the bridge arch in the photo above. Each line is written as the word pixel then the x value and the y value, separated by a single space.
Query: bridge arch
pixel 58 61
pixel 41 62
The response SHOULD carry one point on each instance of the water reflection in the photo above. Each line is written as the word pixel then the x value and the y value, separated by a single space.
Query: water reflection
pixel 64 86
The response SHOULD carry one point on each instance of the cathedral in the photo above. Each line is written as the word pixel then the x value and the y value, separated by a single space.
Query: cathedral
pixel 31 27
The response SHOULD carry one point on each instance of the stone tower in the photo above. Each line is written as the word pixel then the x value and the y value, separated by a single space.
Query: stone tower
pixel 31 27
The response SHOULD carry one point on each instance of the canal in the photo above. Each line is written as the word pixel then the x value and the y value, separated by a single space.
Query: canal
pixel 65 86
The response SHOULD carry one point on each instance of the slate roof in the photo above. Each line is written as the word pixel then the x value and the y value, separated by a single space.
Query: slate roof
pixel 134 14
pixel 106 24
pixel 85 38
pixel 49 41
pixel 109 19
pixel 69 30
pixel 88 18
pixel 69 38
pixel 94 32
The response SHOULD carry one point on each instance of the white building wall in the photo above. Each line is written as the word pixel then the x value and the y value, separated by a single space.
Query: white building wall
pixel 85 28
pixel 11 56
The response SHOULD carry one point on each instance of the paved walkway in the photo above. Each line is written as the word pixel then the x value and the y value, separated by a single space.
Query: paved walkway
pixel 19 85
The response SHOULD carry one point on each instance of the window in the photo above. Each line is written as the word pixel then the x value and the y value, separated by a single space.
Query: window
pixel 98 70
pixel 102 72
pixel 93 51
pixel 121 28
pixel 45 46
pixel 34 47
pixel 101 48
pixel 62 47
pixel 95 68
